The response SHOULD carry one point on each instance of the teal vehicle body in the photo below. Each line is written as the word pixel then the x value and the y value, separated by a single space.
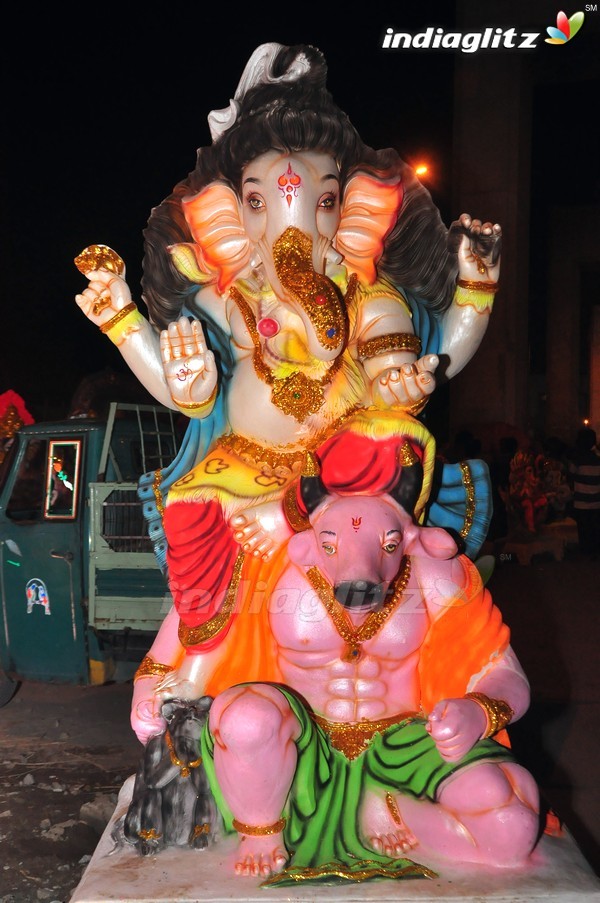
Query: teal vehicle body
pixel 81 593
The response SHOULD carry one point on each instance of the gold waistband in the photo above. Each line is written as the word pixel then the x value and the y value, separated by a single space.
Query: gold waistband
pixel 260 455
pixel 352 738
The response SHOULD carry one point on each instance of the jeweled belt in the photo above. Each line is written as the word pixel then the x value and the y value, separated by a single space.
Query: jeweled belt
pixel 352 738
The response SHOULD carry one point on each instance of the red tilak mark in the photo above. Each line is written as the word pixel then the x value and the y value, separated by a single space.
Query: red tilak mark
pixel 356 522
pixel 288 183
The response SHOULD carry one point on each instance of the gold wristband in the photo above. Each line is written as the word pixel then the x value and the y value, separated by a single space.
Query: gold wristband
pixel 149 668
pixel 497 712
pixel 129 320
pixel 259 830
pixel 197 407
pixel 473 285
pixel 106 327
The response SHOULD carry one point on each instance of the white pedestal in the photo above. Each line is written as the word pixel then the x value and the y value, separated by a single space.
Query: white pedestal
pixel 557 872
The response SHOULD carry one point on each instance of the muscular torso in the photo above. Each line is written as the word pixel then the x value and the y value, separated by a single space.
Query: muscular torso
pixel 384 680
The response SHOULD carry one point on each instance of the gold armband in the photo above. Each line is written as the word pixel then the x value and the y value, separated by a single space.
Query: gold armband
pixel 126 321
pixel 398 341
pixel 149 668
pixel 497 712
pixel 197 407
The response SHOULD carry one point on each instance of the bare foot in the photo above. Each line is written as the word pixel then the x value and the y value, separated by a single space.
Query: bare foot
pixel 172 688
pixel 261 529
pixel 384 827
pixel 260 856
pixel 189 680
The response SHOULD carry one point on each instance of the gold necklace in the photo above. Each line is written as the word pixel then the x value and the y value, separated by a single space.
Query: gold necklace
pixel 353 636
pixel 296 394
pixel 184 767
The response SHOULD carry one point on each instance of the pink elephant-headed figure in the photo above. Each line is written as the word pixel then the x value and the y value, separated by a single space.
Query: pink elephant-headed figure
pixel 384 735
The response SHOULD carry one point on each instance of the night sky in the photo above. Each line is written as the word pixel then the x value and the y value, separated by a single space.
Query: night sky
pixel 103 112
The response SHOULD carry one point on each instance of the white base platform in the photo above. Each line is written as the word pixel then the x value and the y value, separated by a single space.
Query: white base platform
pixel 558 872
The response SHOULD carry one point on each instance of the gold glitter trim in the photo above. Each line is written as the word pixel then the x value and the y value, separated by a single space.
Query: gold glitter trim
pixel 393 810
pixel 407 455
pixel 192 636
pixel 353 737
pixel 259 830
pixel 353 636
pixel 362 870
pixel 260 456
pixel 184 767
pixel 149 668
pixel 200 829
pixel 399 341
pixel 124 312
pixel 297 521
pixel 311 465
pixel 157 493
pixel 292 256
pixel 473 286
pixel 467 479
pixel 497 712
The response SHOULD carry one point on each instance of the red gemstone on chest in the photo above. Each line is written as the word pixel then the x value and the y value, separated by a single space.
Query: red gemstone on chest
pixel 267 327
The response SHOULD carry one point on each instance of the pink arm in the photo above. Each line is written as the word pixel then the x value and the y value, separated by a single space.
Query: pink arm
pixel 457 724
pixel 166 649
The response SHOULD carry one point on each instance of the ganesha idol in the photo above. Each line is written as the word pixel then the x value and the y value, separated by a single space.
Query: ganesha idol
pixel 304 295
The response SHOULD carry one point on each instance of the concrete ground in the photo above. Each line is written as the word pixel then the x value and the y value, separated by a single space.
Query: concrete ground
pixel 65 751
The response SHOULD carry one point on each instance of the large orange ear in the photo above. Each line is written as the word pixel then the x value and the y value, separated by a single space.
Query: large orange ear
pixel 221 247
pixel 369 213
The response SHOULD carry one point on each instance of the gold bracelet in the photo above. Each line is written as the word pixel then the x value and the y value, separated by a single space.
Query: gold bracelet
pixel 259 830
pixel 106 327
pixel 497 712
pixel 473 286
pixel 149 668
pixel 197 406
pixel 129 324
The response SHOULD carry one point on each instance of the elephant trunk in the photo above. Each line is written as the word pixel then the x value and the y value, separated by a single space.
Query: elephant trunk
pixel 318 299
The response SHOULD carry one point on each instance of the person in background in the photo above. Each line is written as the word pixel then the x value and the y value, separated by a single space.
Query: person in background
pixel 584 474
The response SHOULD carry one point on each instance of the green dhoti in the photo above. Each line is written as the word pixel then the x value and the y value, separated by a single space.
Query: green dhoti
pixel 322 832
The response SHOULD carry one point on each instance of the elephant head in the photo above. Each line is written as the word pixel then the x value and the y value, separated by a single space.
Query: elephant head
pixel 291 221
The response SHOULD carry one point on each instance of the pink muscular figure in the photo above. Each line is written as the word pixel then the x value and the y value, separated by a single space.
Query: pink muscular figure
pixel 374 618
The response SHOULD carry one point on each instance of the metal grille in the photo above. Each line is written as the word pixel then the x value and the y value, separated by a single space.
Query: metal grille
pixel 123 524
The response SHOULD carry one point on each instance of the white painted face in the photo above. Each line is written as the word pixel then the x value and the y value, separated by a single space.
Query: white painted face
pixel 282 190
